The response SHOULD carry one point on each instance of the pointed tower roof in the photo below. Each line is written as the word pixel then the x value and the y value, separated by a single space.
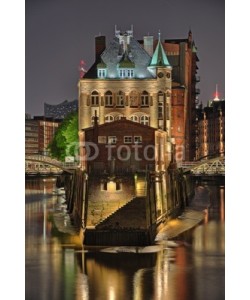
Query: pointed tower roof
pixel 159 57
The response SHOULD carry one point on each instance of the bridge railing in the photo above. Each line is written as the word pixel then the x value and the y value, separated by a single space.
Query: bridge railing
pixel 50 160
pixel 215 166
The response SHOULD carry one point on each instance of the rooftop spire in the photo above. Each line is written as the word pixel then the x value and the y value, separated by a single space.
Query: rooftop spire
pixel 159 57
pixel 159 35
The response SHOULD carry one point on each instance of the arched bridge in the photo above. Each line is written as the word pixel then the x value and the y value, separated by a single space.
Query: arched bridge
pixel 40 164
pixel 205 167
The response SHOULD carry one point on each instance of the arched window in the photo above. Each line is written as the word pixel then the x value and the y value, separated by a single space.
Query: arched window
pixel 118 117
pixel 108 98
pixel 120 99
pixel 109 118
pixel 144 99
pixel 134 118
pixel 94 98
pixel 145 120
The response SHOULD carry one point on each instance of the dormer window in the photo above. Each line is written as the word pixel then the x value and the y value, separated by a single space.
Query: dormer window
pixel 126 73
pixel 102 73
pixel 102 70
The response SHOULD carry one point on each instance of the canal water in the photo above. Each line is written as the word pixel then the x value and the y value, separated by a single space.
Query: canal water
pixel 58 267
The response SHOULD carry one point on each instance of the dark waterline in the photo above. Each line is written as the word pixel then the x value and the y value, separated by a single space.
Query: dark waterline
pixel 58 267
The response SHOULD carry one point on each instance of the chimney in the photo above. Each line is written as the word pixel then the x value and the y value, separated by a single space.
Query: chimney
pixel 100 45
pixel 148 44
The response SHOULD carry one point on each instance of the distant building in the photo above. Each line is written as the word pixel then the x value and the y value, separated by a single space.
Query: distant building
pixel 39 132
pixel 31 136
pixel 211 128
pixel 60 111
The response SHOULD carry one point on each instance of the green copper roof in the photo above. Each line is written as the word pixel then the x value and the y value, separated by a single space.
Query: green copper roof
pixel 125 62
pixel 159 57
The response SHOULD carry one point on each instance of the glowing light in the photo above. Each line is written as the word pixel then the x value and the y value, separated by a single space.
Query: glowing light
pixel 111 186
pixel 216 95
pixel 111 293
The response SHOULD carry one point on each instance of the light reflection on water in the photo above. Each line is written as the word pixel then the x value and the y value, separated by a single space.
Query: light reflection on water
pixel 57 266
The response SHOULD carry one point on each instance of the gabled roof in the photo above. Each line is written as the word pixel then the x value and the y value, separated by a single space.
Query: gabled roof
pixel 122 121
pixel 136 58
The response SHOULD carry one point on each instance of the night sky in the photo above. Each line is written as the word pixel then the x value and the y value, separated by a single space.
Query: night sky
pixel 59 33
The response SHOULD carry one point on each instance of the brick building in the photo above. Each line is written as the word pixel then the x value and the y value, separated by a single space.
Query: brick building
pixel 182 55
pixel 211 129
pixel 124 146
pixel 31 136
pixel 39 132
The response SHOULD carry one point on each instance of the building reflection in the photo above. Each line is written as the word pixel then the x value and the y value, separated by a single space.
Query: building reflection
pixel 109 274
pixel 40 185
pixel 57 267
pixel 50 261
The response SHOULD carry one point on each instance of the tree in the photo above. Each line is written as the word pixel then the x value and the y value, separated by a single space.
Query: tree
pixel 65 141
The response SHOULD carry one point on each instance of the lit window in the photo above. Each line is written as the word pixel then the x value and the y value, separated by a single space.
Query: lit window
pixel 144 99
pixel 145 120
pixel 137 139
pixel 101 73
pixel 94 98
pixel 109 119
pixel 134 118
pixel 118 117
pixel 122 73
pixel 108 98
pixel 127 139
pixel 160 110
pixel 126 73
pixel 112 139
pixel 130 73
pixel 120 99
pixel 102 139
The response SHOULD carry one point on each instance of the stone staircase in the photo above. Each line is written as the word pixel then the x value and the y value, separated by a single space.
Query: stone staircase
pixel 132 215
pixel 101 210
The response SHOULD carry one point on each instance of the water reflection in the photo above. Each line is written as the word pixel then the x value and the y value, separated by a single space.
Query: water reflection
pixel 58 267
